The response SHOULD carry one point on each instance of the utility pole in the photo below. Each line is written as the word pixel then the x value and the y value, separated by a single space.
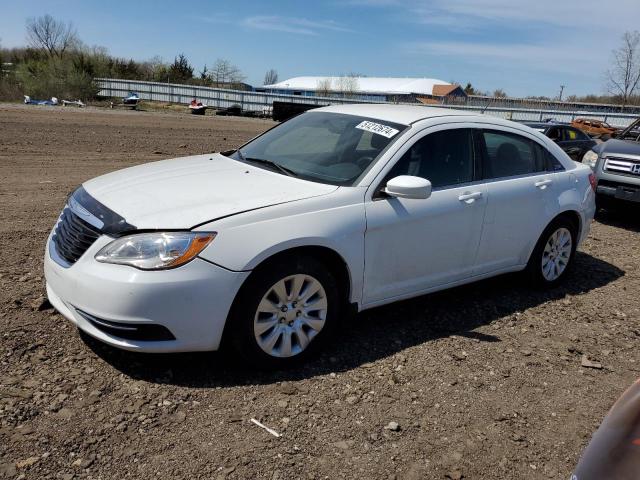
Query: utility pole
pixel 561 90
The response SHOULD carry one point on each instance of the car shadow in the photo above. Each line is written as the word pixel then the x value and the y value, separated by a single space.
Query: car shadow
pixel 373 334
pixel 621 216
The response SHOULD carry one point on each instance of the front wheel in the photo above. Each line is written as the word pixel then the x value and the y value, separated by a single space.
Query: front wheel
pixel 284 312
pixel 553 255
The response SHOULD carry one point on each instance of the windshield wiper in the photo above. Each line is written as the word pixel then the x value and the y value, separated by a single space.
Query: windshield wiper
pixel 270 163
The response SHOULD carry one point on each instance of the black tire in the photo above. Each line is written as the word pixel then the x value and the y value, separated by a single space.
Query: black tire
pixel 534 270
pixel 604 202
pixel 245 307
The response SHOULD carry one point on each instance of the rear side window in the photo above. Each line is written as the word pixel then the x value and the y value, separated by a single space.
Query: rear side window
pixel 546 160
pixel 509 155
pixel 444 158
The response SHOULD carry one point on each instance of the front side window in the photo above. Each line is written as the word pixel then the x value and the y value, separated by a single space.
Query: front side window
pixel 509 155
pixel 323 147
pixel 444 158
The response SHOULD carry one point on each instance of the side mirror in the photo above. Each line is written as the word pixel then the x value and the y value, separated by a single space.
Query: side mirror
pixel 407 186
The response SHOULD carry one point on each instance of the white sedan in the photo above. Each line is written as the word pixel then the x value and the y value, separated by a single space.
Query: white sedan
pixel 340 209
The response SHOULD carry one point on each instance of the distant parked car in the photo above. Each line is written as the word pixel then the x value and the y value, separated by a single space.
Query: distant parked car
pixel 616 165
pixel 573 141
pixel 283 111
pixel 595 128
pixel 132 98
pixel 339 209
pixel 233 110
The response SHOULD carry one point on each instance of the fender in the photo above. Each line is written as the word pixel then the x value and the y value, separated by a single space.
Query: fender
pixel 337 222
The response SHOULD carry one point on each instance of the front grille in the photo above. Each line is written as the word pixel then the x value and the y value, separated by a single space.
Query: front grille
pixel 73 236
pixel 622 165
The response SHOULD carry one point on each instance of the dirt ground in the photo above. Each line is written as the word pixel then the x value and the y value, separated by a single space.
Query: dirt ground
pixel 484 381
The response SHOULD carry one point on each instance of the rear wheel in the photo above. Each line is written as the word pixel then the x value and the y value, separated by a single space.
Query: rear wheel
pixel 284 312
pixel 553 255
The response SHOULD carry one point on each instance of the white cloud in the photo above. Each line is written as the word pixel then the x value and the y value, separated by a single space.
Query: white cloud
pixel 610 15
pixel 300 26
pixel 519 55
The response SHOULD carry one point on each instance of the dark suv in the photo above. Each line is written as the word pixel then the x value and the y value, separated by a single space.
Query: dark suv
pixel 616 164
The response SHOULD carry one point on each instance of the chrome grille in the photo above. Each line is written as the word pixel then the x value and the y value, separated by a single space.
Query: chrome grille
pixel 622 165
pixel 73 236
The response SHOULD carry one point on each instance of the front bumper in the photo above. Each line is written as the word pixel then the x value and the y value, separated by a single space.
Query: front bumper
pixel 618 186
pixel 192 301
pixel 622 191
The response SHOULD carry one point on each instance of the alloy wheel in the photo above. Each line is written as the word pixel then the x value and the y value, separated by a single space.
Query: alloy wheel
pixel 290 315
pixel 556 254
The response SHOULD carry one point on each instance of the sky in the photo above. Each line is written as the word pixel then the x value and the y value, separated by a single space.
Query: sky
pixel 526 47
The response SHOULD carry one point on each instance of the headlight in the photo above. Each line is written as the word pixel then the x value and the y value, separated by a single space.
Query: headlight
pixel 590 158
pixel 155 251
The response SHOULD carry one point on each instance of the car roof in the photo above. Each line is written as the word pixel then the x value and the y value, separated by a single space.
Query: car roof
pixel 403 114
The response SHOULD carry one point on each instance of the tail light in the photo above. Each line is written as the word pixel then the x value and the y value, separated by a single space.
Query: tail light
pixel 592 181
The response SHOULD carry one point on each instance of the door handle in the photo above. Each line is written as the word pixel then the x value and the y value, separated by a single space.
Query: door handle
pixel 470 197
pixel 542 184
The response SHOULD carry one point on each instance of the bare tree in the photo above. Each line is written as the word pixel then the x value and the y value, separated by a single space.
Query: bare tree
pixel 324 87
pixel 348 85
pixel 224 73
pixel 271 77
pixel 51 35
pixel 499 93
pixel 624 76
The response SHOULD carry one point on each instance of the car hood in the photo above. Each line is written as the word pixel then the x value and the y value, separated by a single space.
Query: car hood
pixel 185 192
pixel 622 147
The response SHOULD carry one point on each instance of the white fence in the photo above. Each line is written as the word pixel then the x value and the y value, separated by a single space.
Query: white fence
pixel 256 101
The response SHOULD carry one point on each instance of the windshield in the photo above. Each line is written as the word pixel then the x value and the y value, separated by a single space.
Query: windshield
pixel 323 147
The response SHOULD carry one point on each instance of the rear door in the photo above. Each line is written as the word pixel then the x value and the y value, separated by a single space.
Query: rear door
pixel 520 198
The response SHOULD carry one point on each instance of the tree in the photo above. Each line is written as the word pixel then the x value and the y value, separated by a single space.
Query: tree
pixel 348 85
pixel 155 69
pixel 204 73
pixel 500 93
pixel 271 77
pixel 324 87
pixel 624 76
pixel 180 70
pixel 469 90
pixel 53 36
pixel 224 73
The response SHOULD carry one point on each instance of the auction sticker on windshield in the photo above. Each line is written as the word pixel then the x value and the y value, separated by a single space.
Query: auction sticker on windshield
pixel 378 128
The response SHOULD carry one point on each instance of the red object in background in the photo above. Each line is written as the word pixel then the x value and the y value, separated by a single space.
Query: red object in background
pixel 614 450
pixel 593 181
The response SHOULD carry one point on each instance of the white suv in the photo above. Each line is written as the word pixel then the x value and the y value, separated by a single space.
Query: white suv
pixel 340 208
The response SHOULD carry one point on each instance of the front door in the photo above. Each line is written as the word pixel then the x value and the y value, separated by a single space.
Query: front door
pixel 413 245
